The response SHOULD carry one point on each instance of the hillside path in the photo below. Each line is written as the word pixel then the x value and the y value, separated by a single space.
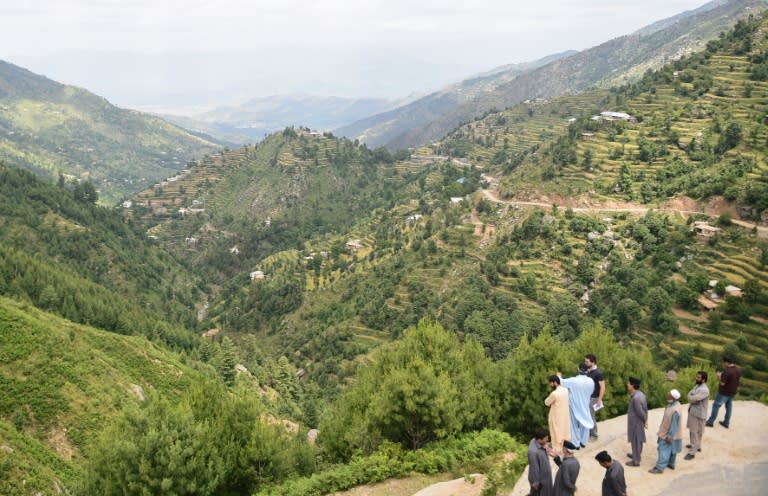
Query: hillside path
pixel 492 195
pixel 731 461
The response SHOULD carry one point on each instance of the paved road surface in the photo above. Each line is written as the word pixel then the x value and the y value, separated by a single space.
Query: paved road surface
pixel 732 461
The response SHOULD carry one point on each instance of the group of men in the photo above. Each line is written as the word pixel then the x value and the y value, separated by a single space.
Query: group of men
pixel 572 406
pixel 573 403
pixel 669 438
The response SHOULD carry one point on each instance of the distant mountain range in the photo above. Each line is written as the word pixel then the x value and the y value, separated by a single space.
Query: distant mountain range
pixel 616 61
pixel 51 128
pixel 252 120
pixel 379 129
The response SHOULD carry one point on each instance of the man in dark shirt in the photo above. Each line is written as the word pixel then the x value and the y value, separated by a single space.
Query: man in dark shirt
pixel 613 482
pixel 729 385
pixel 596 401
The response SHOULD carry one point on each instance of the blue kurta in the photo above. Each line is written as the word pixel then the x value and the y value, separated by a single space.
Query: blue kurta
pixel 579 391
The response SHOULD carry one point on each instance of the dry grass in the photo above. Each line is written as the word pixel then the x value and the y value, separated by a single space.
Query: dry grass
pixel 397 487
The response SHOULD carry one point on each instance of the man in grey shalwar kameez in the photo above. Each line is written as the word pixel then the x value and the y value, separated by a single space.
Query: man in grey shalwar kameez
pixel 614 483
pixel 539 468
pixel 565 480
pixel 580 390
pixel 698 399
pixel 637 421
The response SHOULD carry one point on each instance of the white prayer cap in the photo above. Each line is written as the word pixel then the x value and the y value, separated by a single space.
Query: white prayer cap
pixel 675 394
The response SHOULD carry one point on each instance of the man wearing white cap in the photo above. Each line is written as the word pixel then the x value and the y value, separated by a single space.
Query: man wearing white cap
pixel 670 435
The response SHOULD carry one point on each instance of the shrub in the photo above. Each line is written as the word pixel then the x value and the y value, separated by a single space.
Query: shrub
pixel 392 461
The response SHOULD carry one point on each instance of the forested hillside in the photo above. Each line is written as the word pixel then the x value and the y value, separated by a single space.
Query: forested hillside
pixel 86 411
pixel 273 196
pixel 62 382
pixel 51 129
pixel 326 249
pixel 68 256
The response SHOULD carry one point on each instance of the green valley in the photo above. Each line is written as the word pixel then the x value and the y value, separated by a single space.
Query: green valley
pixel 307 315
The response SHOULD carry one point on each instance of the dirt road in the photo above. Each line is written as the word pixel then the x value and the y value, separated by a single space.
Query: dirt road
pixel 492 195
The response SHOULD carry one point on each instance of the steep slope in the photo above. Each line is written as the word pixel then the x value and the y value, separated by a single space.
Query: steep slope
pixel 84 262
pixel 693 128
pixel 382 128
pixel 618 60
pixel 52 129
pixel 694 150
pixel 272 196
pixel 61 383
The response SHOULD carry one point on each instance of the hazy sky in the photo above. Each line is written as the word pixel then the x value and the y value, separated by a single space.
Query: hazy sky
pixel 174 52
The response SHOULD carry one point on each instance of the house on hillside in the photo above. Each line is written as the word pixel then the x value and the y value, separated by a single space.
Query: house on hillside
pixel 706 304
pixel 257 275
pixel 704 230
pixel 455 200
pixel 353 245
pixel 732 290
pixel 195 210
pixel 617 116
pixel 234 250
pixel 412 218
pixel 608 115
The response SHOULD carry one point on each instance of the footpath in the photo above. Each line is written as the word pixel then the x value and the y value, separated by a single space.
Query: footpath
pixel 731 461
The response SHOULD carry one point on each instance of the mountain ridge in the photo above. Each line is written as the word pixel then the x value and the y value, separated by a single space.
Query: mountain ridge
pixel 423 110
pixel 647 48
pixel 252 120
pixel 54 129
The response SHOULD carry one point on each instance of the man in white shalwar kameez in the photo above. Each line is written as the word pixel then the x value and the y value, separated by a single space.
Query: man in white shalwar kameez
pixel 579 389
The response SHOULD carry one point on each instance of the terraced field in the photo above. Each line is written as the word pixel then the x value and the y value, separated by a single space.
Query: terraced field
pixel 683 112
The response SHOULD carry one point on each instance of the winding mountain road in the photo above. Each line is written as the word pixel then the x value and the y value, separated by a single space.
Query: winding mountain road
pixel 492 195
